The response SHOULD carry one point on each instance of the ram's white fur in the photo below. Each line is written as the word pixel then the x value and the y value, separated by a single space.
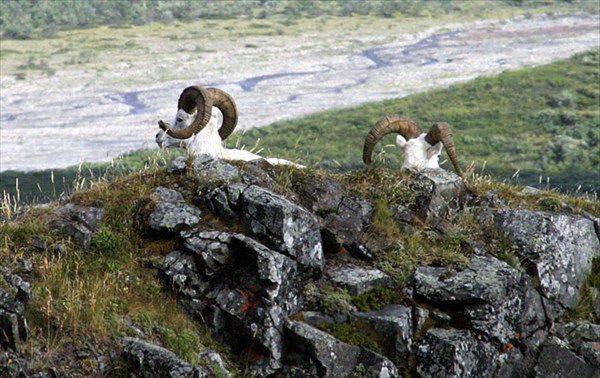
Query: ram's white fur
pixel 208 141
pixel 418 154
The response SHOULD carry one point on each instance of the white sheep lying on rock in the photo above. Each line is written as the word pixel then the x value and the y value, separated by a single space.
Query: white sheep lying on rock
pixel 421 151
pixel 196 126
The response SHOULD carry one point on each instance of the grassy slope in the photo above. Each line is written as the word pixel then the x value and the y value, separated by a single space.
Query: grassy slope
pixel 542 121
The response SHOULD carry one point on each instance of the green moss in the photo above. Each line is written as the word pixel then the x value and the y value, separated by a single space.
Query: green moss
pixel 357 333
pixel 327 298
pixel 378 298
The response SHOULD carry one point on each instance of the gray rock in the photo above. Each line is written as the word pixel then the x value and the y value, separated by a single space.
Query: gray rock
pixel 497 299
pixel 77 222
pixel 177 165
pixel 174 217
pixel 162 194
pixel 13 325
pixel 326 355
pixel 212 248
pixel 316 318
pixel 347 221
pixel 455 353
pixel 560 247
pixel 216 361
pixel 152 361
pixel 209 168
pixel 290 228
pixel 439 193
pixel 512 364
pixel 182 270
pixel 359 280
pixel 376 365
pixel 253 289
pixel 394 324
pixel 576 332
pixel 557 361
pixel 590 350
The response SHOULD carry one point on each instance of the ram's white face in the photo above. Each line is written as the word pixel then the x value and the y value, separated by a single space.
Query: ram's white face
pixel 418 154
pixel 182 120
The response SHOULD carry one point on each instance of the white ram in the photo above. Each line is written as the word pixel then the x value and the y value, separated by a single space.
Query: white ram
pixel 421 151
pixel 196 127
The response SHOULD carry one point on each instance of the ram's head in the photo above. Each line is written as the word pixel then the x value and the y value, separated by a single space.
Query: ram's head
pixel 421 150
pixel 194 112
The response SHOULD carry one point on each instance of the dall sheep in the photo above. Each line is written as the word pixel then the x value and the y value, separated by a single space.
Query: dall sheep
pixel 421 151
pixel 196 126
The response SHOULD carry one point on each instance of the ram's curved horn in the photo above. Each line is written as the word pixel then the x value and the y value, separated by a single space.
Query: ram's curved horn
pixel 389 124
pixel 192 99
pixel 440 132
pixel 226 105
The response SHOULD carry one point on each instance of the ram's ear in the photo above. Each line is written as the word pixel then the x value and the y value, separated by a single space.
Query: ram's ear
pixel 400 141
pixel 436 149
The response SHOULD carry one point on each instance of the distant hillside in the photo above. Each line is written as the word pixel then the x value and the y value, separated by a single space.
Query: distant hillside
pixel 534 124
pixel 27 19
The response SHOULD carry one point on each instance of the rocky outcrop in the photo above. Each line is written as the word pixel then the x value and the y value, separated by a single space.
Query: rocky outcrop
pixel 558 248
pixel 172 213
pixel 491 296
pixel 242 285
pixel 317 353
pixel 290 228
pixel 243 251
pixel 455 353
pixel 438 193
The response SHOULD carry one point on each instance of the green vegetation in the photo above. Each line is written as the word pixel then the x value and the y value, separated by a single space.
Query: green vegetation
pixel 106 292
pixel 537 126
pixel 43 18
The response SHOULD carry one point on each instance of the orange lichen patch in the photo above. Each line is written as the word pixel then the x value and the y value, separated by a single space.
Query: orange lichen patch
pixel 250 300
pixel 506 347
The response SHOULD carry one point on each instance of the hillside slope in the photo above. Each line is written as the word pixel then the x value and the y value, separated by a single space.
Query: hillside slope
pixel 209 268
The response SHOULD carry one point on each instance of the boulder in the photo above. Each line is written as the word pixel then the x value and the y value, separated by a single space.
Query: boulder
pixel 557 361
pixel 177 165
pixel 208 168
pixel 172 213
pixel 495 298
pixel 559 247
pixel 162 194
pixel 289 228
pixel 77 222
pixel 359 280
pixel 394 324
pixel 455 353
pixel 318 354
pixel 153 361
pixel 240 287
pixel 439 193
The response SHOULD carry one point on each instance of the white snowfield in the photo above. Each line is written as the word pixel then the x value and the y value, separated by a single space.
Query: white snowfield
pixel 74 116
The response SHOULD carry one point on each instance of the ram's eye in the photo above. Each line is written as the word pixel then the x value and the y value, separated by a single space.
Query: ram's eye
pixel 179 120
pixel 439 156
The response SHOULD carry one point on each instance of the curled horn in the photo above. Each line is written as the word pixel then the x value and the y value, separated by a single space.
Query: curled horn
pixel 226 105
pixel 440 132
pixel 389 124
pixel 191 99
